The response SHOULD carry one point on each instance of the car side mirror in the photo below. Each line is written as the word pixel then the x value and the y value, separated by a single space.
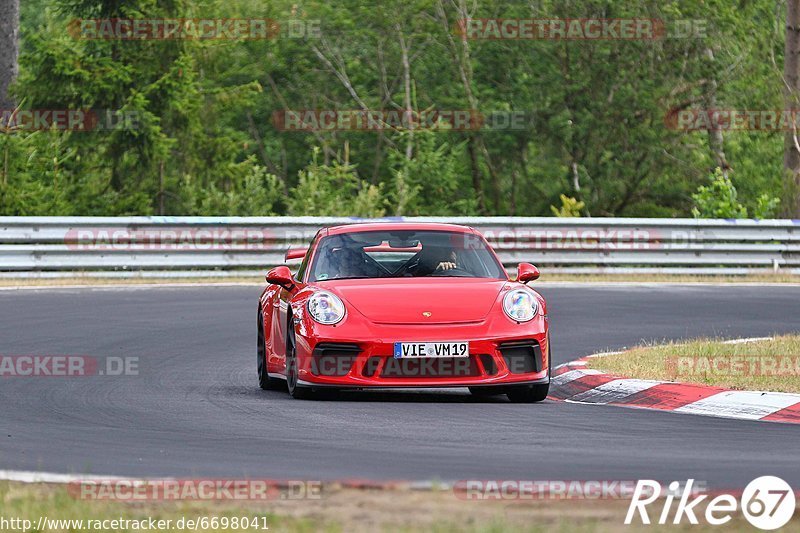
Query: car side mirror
pixel 527 272
pixel 282 277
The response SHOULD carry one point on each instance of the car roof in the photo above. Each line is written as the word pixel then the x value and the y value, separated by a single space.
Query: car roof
pixel 389 226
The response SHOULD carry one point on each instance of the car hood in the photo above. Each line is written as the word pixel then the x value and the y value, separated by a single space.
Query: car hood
pixel 439 300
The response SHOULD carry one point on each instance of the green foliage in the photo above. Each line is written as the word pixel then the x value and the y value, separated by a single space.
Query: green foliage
pixel 256 194
pixel 368 202
pixel 204 143
pixel 434 181
pixel 173 139
pixel 334 190
pixel 766 206
pixel 720 200
pixel 33 167
pixel 570 207
pixel 405 194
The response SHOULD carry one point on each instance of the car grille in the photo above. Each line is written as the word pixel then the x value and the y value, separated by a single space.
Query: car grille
pixel 522 357
pixel 489 366
pixel 334 359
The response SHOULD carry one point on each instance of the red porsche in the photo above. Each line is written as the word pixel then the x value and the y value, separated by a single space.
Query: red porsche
pixel 381 305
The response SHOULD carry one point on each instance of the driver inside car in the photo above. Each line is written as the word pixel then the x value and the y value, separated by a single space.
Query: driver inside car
pixel 347 263
pixel 450 262
pixel 435 259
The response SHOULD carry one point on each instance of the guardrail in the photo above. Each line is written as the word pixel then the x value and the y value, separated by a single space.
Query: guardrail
pixel 223 246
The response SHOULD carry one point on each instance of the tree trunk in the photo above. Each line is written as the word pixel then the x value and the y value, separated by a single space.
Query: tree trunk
pixel 407 92
pixel 461 58
pixel 476 175
pixel 791 74
pixel 9 49
pixel 716 141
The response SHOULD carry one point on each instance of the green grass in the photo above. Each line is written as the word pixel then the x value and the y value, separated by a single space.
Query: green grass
pixel 769 365
pixel 54 502
pixel 348 510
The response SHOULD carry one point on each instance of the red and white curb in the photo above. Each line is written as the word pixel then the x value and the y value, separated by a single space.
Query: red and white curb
pixel 574 382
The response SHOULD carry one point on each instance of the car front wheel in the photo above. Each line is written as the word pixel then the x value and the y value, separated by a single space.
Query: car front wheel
pixel 300 392
pixel 528 393
pixel 533 393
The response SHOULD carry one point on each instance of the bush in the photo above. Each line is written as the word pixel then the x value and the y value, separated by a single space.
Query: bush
pixel 720 200
pixel 335 190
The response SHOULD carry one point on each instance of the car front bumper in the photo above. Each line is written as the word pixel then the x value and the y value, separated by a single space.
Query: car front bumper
pixel 502 359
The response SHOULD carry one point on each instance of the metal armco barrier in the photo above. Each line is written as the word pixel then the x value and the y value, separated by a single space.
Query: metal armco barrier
pixel 200 246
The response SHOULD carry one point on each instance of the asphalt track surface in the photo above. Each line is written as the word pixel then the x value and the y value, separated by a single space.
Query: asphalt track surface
pixel 195 409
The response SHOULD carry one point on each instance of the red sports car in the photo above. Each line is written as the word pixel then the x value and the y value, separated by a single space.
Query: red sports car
pixel 403 305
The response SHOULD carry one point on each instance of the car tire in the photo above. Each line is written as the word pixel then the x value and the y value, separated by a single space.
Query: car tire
pixel 533 393
pixel 528 393
pixel 264 381
pixel 299 392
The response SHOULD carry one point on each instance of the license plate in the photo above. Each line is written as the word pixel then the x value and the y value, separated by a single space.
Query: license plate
pixel 408 350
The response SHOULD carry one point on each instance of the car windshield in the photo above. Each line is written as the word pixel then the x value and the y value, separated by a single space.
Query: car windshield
pixel 404 253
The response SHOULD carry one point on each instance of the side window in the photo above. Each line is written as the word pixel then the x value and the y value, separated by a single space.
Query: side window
pixel 301 272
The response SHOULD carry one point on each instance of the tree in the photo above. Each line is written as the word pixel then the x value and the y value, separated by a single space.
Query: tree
pixel 9 49
pixel 589 116
pixel 791 75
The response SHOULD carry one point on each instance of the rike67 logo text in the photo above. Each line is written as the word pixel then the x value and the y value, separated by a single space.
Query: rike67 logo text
pixel 767 502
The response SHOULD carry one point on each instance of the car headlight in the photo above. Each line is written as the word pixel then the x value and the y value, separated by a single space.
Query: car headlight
pixel 520 305
pixel 325 308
